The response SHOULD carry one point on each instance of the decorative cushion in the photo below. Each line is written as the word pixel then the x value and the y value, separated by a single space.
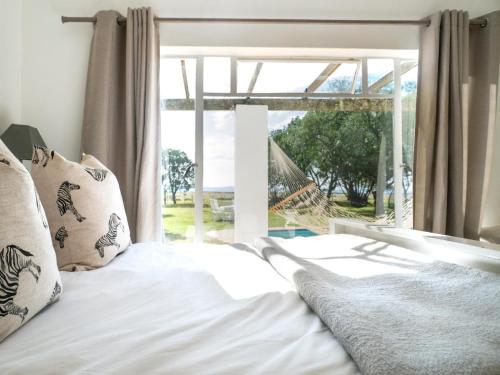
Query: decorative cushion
pixel 84 207
pixel 29 278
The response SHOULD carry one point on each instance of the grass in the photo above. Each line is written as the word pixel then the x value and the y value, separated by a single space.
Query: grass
pixel 178 219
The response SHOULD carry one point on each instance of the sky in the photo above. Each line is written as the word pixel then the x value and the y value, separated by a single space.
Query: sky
pixel 178 127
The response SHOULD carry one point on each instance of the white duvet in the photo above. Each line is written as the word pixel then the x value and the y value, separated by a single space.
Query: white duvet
pixel 192 309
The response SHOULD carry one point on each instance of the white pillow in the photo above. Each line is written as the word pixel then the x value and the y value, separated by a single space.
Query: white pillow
pixel 84 207
pixel 29 278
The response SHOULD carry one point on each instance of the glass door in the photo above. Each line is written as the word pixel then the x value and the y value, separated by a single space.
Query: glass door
pixel 178 93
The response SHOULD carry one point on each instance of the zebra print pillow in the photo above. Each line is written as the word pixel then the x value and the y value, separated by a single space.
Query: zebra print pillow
pixel 29 278
pixel 84 207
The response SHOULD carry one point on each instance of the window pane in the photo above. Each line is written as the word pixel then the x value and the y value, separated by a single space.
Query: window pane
pixel 217 73
pixel 342 79
pixel 171 78
pixel 329 164
pixel 218 176
pixel 287 76
pixel 178 174
pixel 245 74
pixel 409 76
pixel 380 76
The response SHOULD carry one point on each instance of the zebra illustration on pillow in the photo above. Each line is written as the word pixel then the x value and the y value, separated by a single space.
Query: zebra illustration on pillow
pixel 109 239
pixel 64 201
pixel 5 161
pixel 45 155
pixel 13 261
pixel 55 294
pixel 97 174
pixel 61 235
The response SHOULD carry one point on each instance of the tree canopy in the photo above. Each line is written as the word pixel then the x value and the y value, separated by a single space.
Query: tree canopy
pixel 339 150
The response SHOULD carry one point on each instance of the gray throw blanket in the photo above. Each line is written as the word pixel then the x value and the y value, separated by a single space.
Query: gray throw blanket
pixel 437 318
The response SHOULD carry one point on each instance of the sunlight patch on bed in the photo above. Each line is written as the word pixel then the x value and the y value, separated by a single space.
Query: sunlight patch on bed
pixel 241 275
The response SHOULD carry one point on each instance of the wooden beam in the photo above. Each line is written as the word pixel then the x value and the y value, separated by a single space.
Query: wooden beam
pixel 298 95
pixel 290 104
pixel 323 76
pixel 389 77
pixel 253 81
pixel 184 78
pixel 355 78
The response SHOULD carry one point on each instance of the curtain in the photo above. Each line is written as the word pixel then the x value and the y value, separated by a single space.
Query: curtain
pixel 451 167
pixel 121 122
pixel 483 203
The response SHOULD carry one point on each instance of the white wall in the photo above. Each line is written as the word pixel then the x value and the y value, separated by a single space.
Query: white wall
pixel 10 62
pixel 55 56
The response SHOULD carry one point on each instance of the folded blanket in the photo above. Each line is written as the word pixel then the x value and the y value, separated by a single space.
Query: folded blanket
pixel 410 316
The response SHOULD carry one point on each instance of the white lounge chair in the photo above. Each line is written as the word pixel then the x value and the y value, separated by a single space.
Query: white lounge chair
pixel 221 213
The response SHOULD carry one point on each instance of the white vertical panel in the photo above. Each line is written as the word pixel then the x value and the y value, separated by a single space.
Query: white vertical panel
pixel 398 145
pixel 198 154
pixel 250 188
pixel 364 76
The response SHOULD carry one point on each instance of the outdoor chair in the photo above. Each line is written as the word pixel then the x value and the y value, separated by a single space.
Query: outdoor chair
pixel 221 213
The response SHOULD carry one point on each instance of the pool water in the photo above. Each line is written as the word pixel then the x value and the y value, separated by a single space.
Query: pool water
pixel 284 233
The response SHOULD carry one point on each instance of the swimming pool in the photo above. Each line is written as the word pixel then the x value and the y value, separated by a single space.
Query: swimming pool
pixel 285 233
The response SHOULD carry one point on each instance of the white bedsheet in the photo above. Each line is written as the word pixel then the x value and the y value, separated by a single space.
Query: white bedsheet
pixel 191 309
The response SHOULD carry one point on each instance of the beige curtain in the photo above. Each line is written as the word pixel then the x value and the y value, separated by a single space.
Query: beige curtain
pixel 450 167
pixel 121 124
pixel 482 206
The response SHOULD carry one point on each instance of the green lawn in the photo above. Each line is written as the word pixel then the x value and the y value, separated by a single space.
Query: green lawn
pixel 178 220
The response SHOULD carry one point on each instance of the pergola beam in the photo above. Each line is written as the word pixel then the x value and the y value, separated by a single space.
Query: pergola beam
pixel 323 76
pixel 184 78
pixel 288 104
pixel 355 78
pixel 389 77
pixel 255 75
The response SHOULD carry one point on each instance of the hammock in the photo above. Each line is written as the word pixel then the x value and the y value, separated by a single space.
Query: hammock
pixel 299 200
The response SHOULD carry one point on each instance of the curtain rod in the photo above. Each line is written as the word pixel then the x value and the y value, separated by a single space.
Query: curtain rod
pixel 479 21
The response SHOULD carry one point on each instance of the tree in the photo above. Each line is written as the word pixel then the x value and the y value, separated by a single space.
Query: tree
pixel 359 143
pixel 308 142
pixel 339 149
pixel 177 173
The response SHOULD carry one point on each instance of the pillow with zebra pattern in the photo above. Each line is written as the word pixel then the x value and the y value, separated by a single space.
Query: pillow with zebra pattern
pixel 29 278
pixel 84 207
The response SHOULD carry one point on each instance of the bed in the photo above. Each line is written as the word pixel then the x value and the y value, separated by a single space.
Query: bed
pixel 184 309
pixel 370 299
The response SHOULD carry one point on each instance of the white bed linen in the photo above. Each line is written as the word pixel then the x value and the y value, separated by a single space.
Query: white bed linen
pixel 189 309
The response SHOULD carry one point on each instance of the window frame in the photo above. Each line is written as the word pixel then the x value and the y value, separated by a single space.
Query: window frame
pixel 201 95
